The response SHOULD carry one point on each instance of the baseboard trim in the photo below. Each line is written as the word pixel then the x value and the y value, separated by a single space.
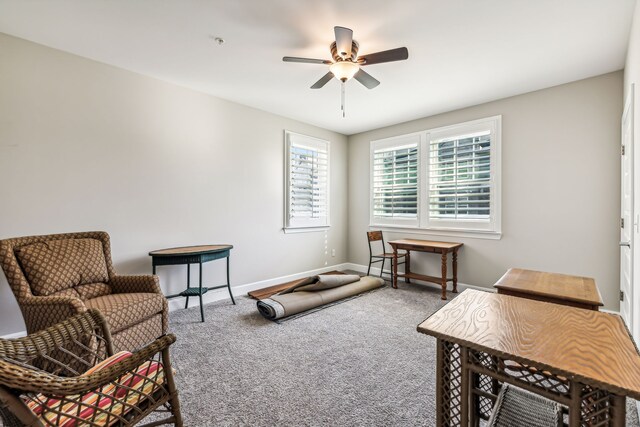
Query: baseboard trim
pixel 238 290
pixel 375 271
pixel 222 294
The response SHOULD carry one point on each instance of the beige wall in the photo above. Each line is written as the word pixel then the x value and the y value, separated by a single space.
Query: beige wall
pixel 632 66
pixel 86 146
pixel 560 185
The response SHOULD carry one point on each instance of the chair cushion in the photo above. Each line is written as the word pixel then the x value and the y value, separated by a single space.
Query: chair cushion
pixel 92 290
pixel 125 310
pixel 111 360
pixel 68 293
pixel 57 265
pixel 140 334
pixel 100 408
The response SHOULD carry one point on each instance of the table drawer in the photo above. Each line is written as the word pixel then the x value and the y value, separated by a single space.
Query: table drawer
pixel 418 248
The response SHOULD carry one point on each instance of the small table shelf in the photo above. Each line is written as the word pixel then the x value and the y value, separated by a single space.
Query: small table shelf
pixel 193 255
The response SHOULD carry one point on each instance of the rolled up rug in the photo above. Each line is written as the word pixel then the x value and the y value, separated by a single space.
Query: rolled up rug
pixel 270 309
pixel 321 282
pixel 294 301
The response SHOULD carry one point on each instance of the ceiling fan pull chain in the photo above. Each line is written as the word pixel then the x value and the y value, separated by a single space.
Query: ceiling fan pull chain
pixel 342 97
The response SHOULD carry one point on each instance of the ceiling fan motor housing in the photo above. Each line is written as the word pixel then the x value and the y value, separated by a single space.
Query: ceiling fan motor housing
pixel 337 55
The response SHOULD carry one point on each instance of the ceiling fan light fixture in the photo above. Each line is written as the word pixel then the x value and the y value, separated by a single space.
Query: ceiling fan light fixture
pixel 346 62
pixel 344 70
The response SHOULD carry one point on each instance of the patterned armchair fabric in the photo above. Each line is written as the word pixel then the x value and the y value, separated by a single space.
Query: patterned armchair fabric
pixel 54 277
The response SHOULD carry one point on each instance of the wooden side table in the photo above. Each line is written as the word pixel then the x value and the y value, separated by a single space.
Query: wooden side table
pixel 428 246
pixel 583 359
pixel 193 255
pixel 573 291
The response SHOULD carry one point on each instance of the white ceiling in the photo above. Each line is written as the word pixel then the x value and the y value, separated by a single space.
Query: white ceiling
pixel 461 52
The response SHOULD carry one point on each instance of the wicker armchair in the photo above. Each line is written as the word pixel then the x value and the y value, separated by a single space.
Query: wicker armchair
pixel 56 276
pixel 67 375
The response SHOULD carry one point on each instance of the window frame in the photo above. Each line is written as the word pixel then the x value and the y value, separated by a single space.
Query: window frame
pixel 487 229
pixel 381 144
pixel 323 223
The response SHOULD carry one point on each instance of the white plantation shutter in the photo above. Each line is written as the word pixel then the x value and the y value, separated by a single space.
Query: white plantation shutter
pixel 307 181
pixel 395 182
pixel 445 181
pixel 460 177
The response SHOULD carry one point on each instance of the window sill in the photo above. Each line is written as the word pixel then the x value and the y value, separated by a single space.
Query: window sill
pixel 293 230
pixel 474 234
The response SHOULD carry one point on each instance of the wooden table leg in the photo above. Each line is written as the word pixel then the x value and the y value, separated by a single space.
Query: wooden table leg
pixel 454 261
pixel 444 276
pixel 441 385
pixel 473 400
pixel 407 267
pixel 395 268
pixel 618 411
pixel 449 384
pixel 467 381
pixel 575 407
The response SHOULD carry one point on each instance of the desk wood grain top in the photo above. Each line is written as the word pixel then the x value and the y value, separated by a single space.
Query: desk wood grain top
pixel 190 250
pixel 591 346
pixel 552 285
pixel 426 243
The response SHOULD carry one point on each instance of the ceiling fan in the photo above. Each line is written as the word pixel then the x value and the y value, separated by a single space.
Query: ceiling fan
pixel 347 64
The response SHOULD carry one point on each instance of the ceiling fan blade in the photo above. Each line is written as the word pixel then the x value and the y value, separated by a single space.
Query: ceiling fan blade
pixel 398 54
pixel 323 81
pixel 366 79
pixel 344 41
pixel 306 60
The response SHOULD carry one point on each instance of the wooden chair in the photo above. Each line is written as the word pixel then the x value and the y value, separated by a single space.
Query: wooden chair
pixel 68 375
pixel 376 236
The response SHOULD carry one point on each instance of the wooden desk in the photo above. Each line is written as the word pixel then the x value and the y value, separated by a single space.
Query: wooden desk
pixel 557 288
pixel 583 359
pixel 193 255
pixel 442 248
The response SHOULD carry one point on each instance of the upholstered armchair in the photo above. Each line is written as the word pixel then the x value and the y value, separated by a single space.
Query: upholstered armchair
pixel 54 277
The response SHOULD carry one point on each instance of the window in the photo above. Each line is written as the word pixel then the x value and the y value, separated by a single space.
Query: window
pixel 307 182
pixel 394 180
pixel 444 181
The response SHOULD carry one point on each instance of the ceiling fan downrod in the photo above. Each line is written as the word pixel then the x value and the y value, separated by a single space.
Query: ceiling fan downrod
pixel 342 97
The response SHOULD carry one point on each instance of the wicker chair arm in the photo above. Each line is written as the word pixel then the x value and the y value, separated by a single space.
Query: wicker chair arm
pixel 31 380
pixel 47 340
pixel 140 283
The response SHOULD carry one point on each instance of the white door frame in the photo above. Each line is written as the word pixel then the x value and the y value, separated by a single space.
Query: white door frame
pixel 626 218
pixel 632 318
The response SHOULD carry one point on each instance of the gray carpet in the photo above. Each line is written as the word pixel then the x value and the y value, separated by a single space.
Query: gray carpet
pixel 357 363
